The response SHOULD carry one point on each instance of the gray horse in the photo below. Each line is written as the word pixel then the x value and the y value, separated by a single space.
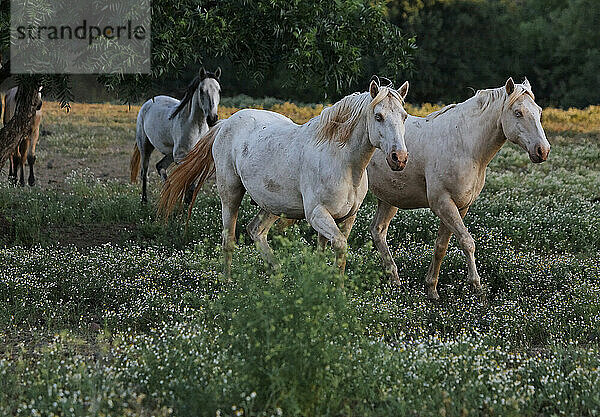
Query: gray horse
pixel 174 127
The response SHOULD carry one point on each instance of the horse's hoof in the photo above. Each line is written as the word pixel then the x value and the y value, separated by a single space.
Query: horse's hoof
pixel 394 281
pixel 393 276
pixel 477 287
pixel 31 182
pixel 432 294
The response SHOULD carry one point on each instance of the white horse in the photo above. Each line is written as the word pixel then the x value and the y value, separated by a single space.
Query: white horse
pixel 174 127
pixel 450 150
pixel 314 171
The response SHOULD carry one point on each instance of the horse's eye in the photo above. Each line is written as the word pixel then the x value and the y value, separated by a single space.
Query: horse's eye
pixel 379 117
pixel 518 113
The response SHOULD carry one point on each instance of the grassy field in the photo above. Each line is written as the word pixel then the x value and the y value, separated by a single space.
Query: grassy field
pixel 106 311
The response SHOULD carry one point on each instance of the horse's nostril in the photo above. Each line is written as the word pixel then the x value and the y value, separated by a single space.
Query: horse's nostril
pixel 394 156
pixel 540 151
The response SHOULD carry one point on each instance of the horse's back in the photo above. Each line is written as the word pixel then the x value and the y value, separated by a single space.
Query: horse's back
pixel 153 119
pixel 251 130
pixel 158 104
pixel 264 118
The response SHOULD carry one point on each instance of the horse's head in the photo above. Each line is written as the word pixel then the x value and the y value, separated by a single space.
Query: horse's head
pixel 385 122
pixel 209 94
pixel 522 121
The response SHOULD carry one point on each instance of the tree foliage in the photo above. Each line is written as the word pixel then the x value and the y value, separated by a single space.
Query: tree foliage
pixel 480 43
pixel 305 44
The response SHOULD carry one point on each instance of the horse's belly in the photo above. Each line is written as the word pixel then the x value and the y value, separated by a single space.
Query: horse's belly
pixel 274 190
pixel 278 202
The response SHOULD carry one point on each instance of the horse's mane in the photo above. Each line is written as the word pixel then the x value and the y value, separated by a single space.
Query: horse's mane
pixel 337 122
pixel 487 97
pixel 189 93
pixel 439 112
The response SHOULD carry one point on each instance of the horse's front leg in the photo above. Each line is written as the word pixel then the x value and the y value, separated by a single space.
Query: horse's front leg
pixel 31 161
pixel 379 227
pixel 321 242
pixel 258 230
pixel 452 218
pixel 322 221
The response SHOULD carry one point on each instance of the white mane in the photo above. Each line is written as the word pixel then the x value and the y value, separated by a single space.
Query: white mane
pixel 336 123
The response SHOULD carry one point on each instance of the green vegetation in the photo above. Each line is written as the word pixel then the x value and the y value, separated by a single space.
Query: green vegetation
pixel 105 311
pixel 479 43
pixel 315 45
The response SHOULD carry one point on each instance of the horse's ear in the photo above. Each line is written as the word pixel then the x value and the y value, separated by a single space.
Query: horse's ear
pixel 403 90
pixel 510 86
pixel 374 88
pixel 526 84
pixel 202 73
pixel 218 73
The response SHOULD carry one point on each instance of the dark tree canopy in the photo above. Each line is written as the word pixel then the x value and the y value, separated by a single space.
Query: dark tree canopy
pixel 480 43
pixel 320 44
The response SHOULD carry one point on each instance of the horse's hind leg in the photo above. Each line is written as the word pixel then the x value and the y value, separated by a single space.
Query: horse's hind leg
pixel 146 151
pixel 12 169
pixel 32 157
pixel 379 227
pixel 21 167
pixel 231 192
pixel 441 245
pixel 145 148
pixel 163 165
pixel 258 230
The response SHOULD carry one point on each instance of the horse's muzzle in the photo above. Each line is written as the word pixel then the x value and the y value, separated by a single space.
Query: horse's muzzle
pixel 212 120
pixel 397 160
pixel 540 154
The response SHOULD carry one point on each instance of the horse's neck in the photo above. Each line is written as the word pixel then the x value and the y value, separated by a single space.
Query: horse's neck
pixel 357 152
pixel 196 115
pixel 483 135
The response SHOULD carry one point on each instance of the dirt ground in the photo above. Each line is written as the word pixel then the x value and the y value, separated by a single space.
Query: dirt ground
pixel 72 142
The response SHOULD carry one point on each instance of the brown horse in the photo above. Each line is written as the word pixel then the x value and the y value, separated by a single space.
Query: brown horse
pixel 26 148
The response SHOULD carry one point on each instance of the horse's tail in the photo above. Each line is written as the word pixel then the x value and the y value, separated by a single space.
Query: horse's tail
pixel 197 166
pixel 134 163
